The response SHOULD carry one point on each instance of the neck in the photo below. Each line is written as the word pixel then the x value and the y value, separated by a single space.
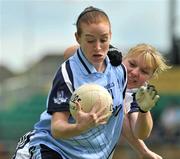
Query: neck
pixel 100 67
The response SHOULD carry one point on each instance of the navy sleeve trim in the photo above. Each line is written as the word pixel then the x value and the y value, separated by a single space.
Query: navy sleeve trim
pixel 61 91
pixel 125 80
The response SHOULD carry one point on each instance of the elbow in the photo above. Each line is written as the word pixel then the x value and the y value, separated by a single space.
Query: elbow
pixel 55 134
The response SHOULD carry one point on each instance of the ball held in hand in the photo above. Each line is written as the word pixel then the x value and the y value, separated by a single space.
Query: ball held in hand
pixel 87 95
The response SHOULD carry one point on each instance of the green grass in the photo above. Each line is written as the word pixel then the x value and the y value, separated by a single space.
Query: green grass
pixel 21 117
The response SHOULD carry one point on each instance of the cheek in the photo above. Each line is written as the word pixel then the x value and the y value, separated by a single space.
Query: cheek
pixel 129 69
pixel 86 48
pixel 126 64
pixel 105 47
pixel 143 79
pixel 106 51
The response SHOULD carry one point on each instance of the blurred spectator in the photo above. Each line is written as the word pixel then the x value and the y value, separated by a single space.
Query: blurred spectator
pixel 170 121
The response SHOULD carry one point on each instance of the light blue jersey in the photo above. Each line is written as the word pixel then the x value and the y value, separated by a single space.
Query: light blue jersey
pixel 98 142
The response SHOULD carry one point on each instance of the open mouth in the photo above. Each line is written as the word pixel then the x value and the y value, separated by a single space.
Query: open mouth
pixel 97 55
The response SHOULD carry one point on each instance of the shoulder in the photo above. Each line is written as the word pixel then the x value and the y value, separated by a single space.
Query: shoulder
pixel 70 51
pixel 120 70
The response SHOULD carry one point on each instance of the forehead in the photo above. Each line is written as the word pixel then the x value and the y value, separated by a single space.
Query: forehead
pixel 101 28
pixel 144 61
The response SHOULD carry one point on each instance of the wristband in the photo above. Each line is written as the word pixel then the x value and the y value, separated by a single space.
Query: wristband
pixel 142 111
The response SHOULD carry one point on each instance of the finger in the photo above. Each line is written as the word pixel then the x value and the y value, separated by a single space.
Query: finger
pixel 149 85
pixel 96 106
pixel 142 89
pixel 150 89
pixel 153 94
pixel 156 98
pixel 94 116
pixel 140 92
pixel 101 111
pixel 78 106
pixel 103 119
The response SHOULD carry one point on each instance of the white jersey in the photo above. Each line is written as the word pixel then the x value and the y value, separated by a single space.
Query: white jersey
pixel 130 101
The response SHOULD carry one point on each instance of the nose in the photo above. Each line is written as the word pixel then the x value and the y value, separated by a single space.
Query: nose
pixel 97 45
pixel 135 71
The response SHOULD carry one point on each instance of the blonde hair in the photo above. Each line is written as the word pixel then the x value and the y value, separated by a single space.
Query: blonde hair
pixel 152 58
pixel 91 15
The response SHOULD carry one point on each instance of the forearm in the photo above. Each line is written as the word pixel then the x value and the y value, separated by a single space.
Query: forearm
pixel 146 98
pixel 142 126
pixel 137 144
pixel 62 129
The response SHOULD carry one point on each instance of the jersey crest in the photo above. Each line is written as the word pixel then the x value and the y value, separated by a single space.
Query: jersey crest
pixel 60 98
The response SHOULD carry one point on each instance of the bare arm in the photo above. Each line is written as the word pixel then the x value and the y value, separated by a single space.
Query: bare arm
pixel 70 51
pixel 61 128
pixel 141 124
pixel 127 133
pixel 138 145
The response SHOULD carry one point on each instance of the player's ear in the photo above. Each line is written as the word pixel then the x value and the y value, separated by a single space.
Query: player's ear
pixel 77 37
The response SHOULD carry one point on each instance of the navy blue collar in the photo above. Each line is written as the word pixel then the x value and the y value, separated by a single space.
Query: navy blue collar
pixel 86 64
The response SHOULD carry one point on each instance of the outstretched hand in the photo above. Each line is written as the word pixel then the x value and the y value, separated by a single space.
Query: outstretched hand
pixel 147 97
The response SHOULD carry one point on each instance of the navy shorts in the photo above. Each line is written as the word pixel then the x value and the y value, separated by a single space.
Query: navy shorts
pixel 48 153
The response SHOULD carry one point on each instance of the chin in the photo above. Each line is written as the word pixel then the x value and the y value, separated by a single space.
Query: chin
pixel 98 60
pixel 131 86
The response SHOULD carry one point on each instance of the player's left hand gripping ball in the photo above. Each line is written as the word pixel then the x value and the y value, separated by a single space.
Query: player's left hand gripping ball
pixel 146 97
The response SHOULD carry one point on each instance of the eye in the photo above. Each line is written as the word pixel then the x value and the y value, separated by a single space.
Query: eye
pixel 104 40
pixel 146 72
pixel 90 41
pixel 132 64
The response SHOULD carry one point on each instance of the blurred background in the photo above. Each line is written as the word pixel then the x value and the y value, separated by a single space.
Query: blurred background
pixel 33 36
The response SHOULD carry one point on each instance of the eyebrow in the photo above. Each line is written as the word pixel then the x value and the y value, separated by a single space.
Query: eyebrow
pixel 132 60
pixel 89 35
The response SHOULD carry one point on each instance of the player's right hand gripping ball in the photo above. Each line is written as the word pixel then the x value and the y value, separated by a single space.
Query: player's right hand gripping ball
pixel 146 97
